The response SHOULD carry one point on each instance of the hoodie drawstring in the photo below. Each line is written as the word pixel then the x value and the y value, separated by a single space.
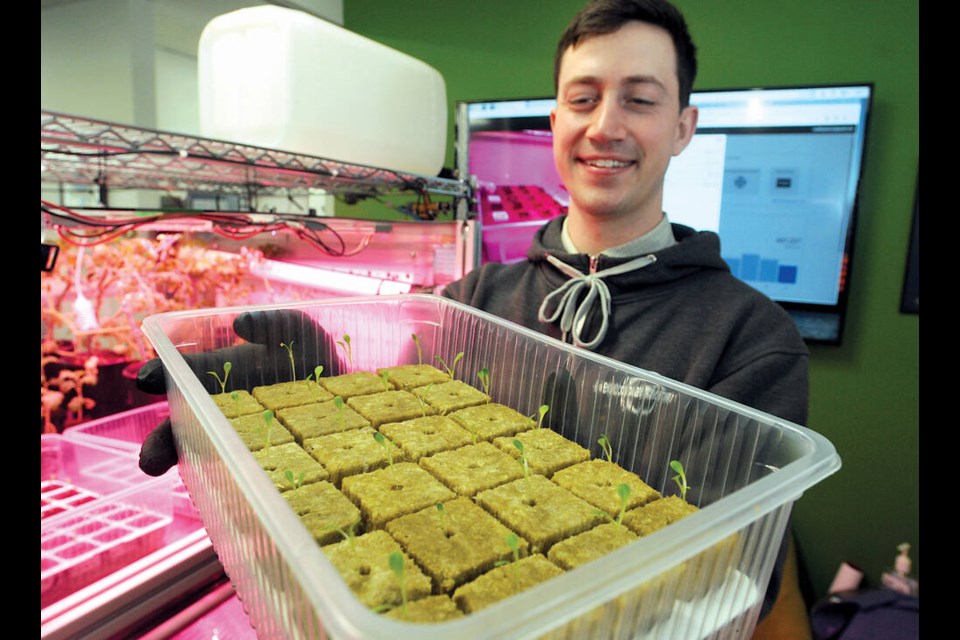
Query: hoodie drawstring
pixel 574 315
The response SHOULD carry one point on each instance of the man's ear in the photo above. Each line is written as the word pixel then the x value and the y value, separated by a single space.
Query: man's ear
pixel 686 127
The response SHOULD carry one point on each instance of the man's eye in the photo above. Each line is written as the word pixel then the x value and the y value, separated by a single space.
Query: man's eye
pixel 581 100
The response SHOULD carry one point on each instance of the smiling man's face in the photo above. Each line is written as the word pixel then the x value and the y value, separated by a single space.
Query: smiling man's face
pixel 617 123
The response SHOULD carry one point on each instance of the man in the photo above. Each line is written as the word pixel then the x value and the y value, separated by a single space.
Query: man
pixel 613 275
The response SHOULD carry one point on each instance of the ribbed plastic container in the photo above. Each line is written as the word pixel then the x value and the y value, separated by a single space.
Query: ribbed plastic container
pixel 125 431
pixel 283 79
pixel 701 577
pixel 98 513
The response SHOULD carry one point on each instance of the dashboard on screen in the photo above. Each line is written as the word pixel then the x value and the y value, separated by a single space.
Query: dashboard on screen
pixel 775 171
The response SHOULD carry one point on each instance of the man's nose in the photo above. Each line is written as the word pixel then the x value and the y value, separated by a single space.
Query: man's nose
pixel 608 121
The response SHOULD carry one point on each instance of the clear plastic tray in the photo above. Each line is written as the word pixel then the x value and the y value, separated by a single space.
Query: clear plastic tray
pixel 125 431
pixel 747 468
pixel 98 513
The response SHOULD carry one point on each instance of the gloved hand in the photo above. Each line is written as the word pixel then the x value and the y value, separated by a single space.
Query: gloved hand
pixel 261 360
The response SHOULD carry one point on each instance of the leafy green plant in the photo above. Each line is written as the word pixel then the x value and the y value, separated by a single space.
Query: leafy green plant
pixel 388 446
pixel 385 379
pixel 235 396
pixel 416 341
pixel 293 368
pixel 317 370
pixel 345 344
pixel 607 448
pixel 680 478
pixel 484 376
pixel 227 366
pixel 295 481
pixel 395 560
pixel 451 370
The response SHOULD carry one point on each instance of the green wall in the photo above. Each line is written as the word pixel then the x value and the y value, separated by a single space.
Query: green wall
pixel 865 393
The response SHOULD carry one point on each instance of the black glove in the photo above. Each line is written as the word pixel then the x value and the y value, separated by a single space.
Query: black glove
pixel 262 360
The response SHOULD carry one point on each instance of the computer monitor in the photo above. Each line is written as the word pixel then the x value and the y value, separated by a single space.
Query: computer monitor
pixel 775 171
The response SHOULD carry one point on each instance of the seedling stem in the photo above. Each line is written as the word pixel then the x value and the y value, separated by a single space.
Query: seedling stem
pixel 267 422
pixel 604 442
pixel 451 369
pixel 387 446
pixel 293 368
pixel 484 376
pixel 543 411
pixel 416 341
pixel 345 343
pixel 680 478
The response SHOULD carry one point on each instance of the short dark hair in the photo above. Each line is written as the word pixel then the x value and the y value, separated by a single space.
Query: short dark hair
pixel 600 17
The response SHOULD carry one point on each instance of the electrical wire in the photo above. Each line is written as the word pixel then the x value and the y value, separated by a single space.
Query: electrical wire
pixel 84 231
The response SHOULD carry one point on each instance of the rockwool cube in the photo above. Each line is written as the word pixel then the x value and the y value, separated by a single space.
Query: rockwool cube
pixel 283 79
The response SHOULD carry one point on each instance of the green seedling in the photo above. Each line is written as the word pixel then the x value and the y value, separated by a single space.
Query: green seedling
pixel 416 341
pixel 295 481
pixel 341 418
pixel 387 445
pixel 451 370
pixel 345 343
pixel 420 399
pixel 623 491
pixel 226 374
pixel 523 457
pixel 513 541
pixel 542 412
pixel 524 464
pixel 267 424
pixel 317 370
pixel 396 565
pixel 442 516
pixel 604 443
pixel 293 368
pixel 385 379
pixel 474 431
pixel 349 534
pixel 484 376
pixel 235 396
pixel 680 478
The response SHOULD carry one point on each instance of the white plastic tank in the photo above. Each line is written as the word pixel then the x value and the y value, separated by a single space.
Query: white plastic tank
pixel 283 79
